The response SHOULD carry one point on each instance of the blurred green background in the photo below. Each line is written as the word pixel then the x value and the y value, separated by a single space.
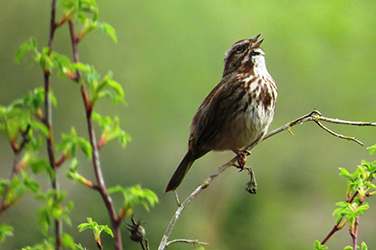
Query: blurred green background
pixel 168 57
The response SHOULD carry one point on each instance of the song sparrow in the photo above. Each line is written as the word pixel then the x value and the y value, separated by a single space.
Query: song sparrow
pixel 237 112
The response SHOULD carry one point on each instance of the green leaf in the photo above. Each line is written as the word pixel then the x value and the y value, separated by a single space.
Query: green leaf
pixel 364 246
pixel 30 45
pixel 368 166
pixel 83 227
pixel 80 66
pixel 360 210
pixel 111 129
pixel 40 164
pixel 135 195
pixel 108 29
pixel 344 172
pixel 108 230
pixel 74 175
pixel 370 184
pixel 117 87
pixel 97 229
pixel 70 143
pixel 5 231
pixel 85 146
pixel 348 248
pixel 124 138
pixel 113 91
pixel 30 184
pixel 53 210
pixel 80 247
pixel 16 190
pixel 318 246
pixel 44 220
pixel 68 241
pixel 36 125
pixel 372 149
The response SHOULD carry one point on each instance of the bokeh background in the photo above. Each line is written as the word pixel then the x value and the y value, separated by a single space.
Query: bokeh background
pixel 168 57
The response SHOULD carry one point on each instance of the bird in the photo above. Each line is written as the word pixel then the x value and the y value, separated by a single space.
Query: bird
pixel 236 113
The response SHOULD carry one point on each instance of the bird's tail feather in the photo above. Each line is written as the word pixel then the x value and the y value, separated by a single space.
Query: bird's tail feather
pixel 180 172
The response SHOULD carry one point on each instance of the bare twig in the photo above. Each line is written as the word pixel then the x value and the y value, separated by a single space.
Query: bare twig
pixel 193 242
pixel 314 115
pixel 338 135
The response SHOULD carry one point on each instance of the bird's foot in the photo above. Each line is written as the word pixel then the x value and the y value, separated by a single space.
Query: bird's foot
pixel 251 186
pixel 242 159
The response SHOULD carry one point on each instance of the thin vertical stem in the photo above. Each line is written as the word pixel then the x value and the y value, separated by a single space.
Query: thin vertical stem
pixel 101 185
pixel 354 233
pixel 48 123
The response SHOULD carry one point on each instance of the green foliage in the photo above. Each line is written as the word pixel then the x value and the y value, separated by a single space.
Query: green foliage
pixel 349 211
pixel 47 244
pixel 111 129
pixel 46 59
pixel 5 230
pixel 68 241
pixel 79 9
pixel 17 188
pixel 21 121
pixel 29 45
pixel 71 142
pixel 97 229
pixel 53 210
pixel 38 164
pixel 372 149
pixel 16 122
pixel 25 125
pixel 133 196
pixel 364 246
pixel 359 187
pixel 74 175
pixel 114 90
pixel 80 247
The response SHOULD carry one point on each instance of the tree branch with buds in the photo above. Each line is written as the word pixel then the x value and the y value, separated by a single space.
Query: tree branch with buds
pixel 314 116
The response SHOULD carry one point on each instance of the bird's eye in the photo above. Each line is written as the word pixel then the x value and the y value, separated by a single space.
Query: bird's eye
pixel 240 49
pixel 255 53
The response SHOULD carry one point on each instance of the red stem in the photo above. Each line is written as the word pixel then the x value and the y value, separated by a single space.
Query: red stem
pixel 354 233
pixel 101 186
pixel 335 229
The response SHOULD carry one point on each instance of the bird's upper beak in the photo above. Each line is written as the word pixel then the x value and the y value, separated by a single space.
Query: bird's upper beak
pixel 254 43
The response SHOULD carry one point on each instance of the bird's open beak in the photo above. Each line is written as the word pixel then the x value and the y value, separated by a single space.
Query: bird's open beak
pixel 254 43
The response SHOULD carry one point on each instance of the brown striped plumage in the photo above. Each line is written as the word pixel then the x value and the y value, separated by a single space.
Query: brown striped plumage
pixel 237 112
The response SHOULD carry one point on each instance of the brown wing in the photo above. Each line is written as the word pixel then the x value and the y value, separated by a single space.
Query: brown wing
pixel 213 112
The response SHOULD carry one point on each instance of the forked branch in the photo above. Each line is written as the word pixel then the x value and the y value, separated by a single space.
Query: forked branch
pixel 315 116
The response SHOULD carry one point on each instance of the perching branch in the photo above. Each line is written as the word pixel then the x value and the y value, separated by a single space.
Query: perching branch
pixel 315 116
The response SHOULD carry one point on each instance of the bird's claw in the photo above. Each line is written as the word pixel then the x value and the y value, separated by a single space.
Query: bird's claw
pixel 251 186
